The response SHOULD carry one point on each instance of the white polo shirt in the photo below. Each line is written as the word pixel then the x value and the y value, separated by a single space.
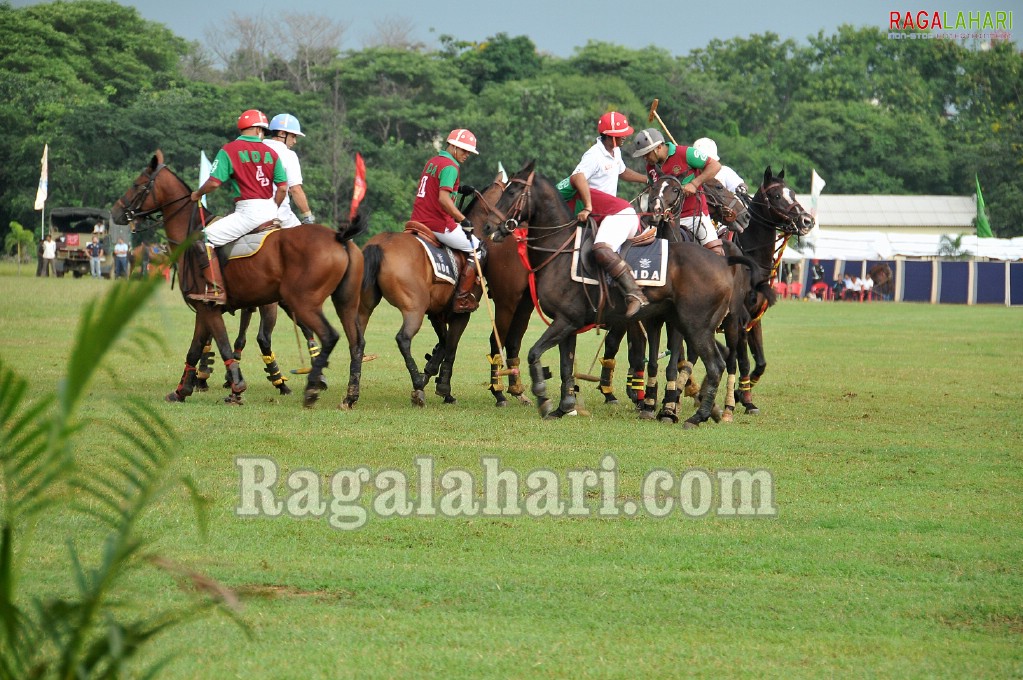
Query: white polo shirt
pixel 289 159
pixel 601 168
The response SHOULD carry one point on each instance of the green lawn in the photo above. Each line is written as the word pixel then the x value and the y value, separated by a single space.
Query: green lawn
pixel 891 432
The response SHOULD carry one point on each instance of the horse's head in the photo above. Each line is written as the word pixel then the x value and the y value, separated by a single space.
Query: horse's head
pixel 666 197
pixel 154 191
pixel 482 204
pixel 777 204
pixel 514 206
pixel 725 207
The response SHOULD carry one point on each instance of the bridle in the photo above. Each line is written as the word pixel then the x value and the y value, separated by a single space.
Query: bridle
pixel 140 192
pixel 781 220
pixel 515 216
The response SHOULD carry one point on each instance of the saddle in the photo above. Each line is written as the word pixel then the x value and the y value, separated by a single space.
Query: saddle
pixel 645 254
pixel 446 262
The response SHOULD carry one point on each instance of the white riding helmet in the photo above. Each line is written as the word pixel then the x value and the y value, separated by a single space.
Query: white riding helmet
pixel 286 122
pixel 646 141
pixel 708 147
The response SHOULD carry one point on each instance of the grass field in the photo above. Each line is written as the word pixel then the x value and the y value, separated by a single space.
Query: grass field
pixel 891 433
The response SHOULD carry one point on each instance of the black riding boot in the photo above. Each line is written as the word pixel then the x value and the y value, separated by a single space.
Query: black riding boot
pixel 612 263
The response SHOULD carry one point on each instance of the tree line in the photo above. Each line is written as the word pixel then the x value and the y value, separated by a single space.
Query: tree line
pixel 105 88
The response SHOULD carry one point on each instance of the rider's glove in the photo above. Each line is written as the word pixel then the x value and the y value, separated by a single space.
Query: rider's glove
pixel 467 190
pixel 466 225
pixel 307 217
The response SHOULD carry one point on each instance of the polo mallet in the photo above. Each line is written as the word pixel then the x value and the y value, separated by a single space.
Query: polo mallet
pixel 589 377
pixel 654 114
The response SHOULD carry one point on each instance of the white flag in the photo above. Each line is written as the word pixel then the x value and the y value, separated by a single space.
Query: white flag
pixel 816 186
pixel 41 192
pixel 204 172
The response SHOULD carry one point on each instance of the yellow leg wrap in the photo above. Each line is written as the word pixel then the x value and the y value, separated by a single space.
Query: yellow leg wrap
pixel 496 363
pixel 730 392
pixel 269 358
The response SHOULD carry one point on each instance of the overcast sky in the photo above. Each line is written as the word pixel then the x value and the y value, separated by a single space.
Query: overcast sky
pixel 558 26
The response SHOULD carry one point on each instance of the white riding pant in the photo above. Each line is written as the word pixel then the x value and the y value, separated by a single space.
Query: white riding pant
pixel 615 229
pixel 247 216
pixel 287 216
pixel 701 227
pixel 457 239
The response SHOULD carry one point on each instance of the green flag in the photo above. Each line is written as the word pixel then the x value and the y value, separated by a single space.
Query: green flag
pixel 983 228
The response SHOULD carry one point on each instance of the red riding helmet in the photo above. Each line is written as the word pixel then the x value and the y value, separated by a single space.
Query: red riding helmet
pixel 614 124
pixel 463 139
pixel 252 118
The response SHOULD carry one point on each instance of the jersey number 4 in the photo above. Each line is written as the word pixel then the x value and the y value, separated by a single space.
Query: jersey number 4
pixel 261 177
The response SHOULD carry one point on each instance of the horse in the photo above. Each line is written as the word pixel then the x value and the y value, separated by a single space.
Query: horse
pixel 146 256
pixel 665 207
pixel 300 267
pixel 398 269
pixel 695 295
pixel 775 215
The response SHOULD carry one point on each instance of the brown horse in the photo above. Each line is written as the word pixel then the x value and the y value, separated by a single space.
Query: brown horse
pixel 398 270
pixel 150 259
pixel 300 267
pixel 695 297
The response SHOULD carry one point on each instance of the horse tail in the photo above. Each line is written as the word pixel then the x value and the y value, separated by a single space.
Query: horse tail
pixel 759 279
pixel 373 257
pixel 351 230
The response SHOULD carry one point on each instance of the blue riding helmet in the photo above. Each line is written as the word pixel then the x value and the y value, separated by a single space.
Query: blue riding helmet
pixel 286 123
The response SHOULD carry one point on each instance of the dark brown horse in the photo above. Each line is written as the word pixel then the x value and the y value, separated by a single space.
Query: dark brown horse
pixel 695 296
pixel 300 267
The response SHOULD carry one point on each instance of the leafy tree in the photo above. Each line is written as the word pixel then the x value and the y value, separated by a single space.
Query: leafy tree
pixel 497 59
pixel 20 242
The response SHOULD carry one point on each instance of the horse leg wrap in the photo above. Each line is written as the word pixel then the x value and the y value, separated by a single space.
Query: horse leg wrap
pixel 685 377
pixel 443 382
pixel 186 386
pixel 638 384
pixel 538 375
pixel 757 374
pixel 745 386
pixel 650 396
pixel 669 407
pixel 730 393
pixel 203 370
pixel 515 385
pixel 234 374
pixel 314 349
pixel 496 364
pixel 607 374
pixel 568 401
pixel 433 362
pixel 273 371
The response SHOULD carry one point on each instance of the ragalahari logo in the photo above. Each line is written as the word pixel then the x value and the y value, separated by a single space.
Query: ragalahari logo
pixel 962 25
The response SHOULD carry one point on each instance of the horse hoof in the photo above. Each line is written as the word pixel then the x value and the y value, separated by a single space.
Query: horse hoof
pixel 345 406
pixel 418 398
pixel 611 400
pixel 646 414
pixel 715 413
pixel 174 398
pixel 689 425
pixel 448 399
pixel 546 407
pixel 284 390
pixel 310 397
pixel 501 403
pixel 727 416
pixel 525 401
pixel 233 400
pixel 752 410
pixel 201 386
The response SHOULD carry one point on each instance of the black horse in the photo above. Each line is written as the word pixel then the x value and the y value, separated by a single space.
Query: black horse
pixel 775 216
pixel 695 296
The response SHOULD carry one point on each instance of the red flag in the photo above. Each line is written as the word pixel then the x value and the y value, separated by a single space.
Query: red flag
pixel 359 192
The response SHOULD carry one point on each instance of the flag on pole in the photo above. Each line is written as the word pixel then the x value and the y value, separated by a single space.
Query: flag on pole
pixel 204 172
pixel 42 191
pixel 983 226
pixel 359 191
pixel 816 187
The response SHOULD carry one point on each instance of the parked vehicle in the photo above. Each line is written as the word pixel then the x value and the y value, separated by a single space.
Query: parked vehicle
pixel 72 230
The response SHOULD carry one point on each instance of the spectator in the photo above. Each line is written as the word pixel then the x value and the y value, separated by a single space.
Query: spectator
pixel 95 251
pixel 49 255
pixel 121 259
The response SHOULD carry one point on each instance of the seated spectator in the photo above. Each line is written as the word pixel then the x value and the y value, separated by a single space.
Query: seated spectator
pixel 867 287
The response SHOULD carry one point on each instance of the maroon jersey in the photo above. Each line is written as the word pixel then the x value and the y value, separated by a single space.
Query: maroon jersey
pixel 251 167
pixel 682 164
pixel 603 205
pixel 439 174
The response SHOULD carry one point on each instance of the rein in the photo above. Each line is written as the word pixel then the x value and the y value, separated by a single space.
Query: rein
pixel 133 210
